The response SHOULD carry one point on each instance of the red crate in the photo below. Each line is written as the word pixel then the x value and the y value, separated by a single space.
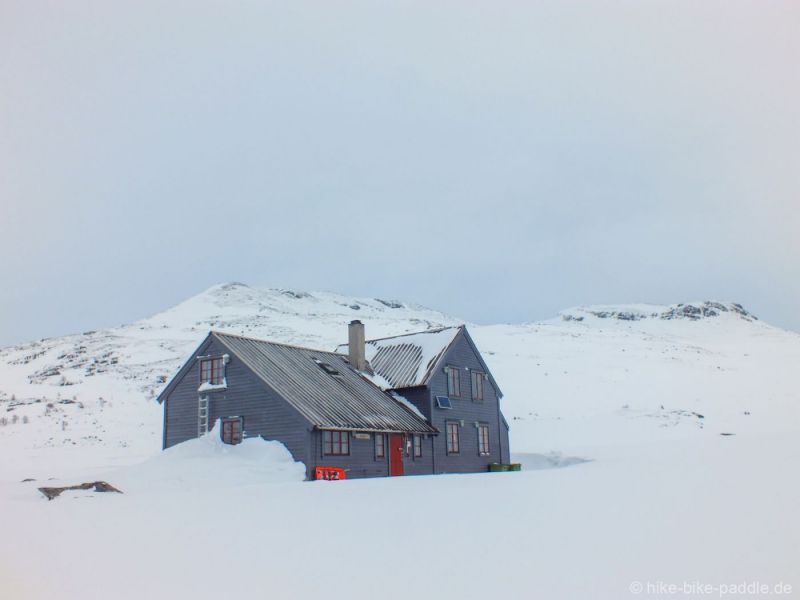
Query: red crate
pixel 329 473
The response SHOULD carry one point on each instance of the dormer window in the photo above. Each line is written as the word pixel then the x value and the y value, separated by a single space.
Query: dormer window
pixel 212 371
pixel 453 381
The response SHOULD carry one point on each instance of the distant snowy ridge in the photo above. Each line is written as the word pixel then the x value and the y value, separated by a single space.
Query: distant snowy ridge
pixel 694 311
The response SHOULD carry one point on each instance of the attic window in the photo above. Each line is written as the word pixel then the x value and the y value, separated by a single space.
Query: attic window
pixel 453 381
pixel 212 370
pixel 327 368
pixel 477 385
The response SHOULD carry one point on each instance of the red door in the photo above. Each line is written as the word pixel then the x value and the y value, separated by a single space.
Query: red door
pixel 396 449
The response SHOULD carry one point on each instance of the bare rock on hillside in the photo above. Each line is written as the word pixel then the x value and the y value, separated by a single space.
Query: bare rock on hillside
pixel 99 486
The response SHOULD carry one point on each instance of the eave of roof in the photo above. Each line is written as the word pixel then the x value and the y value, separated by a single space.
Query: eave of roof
pixel 182 371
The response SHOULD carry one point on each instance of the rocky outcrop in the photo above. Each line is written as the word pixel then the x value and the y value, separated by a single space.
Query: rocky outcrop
pixel 693 312
pixel 99 486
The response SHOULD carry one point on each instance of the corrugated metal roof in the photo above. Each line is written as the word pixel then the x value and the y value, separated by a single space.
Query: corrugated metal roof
pixel 408 360
pixel 342 401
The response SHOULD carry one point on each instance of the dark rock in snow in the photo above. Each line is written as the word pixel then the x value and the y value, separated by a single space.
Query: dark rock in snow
pixel 99 486
pixel 571 318
pixel 390 303
pixel 295 295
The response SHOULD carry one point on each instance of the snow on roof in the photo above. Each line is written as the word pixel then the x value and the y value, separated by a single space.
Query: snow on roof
pixel 408 360
pixel 402 400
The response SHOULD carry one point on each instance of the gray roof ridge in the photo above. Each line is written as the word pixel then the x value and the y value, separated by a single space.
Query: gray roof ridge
pixel 263 341
pixel 400 335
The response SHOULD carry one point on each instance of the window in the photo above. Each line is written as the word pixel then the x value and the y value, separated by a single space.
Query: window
pixel 327 368
pixel 380 446
pixel 453 381
pixel 232 430
pixel 335 443
pixel 483 440
pixel 477 385
pixel 212 371
pixel 417 446
pixel 443 402
pixel 453 444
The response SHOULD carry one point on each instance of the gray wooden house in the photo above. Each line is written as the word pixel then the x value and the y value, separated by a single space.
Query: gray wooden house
pixel 420 403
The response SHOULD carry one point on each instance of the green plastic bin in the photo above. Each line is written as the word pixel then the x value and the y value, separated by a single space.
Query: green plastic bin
pixel 498 467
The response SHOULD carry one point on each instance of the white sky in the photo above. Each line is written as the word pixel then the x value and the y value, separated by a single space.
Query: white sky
pixel 495 160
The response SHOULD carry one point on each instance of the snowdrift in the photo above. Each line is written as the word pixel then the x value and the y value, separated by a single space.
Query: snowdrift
pixel 207 463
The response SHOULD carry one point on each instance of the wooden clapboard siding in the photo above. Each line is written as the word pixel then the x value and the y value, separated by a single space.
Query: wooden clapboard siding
pixel 463 355
pixel 264 412
pixel 360 463
pixel 268 414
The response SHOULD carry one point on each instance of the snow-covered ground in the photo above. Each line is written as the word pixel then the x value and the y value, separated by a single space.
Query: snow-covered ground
pixel 660 447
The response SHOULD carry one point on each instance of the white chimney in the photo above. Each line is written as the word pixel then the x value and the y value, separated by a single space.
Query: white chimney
pixel 357 351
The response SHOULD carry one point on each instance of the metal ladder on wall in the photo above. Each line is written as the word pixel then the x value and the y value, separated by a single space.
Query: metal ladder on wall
pixel 202 416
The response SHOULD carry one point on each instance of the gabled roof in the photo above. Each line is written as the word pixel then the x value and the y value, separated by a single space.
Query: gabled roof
pixel 323 387
pixel 408 360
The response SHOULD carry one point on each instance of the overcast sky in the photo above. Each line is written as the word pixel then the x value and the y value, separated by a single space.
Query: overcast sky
pixel 498 161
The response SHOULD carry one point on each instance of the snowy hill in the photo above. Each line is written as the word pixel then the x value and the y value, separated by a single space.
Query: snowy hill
pixel 677 427
pixel 97 389
pixel 593 375
pixel 609 375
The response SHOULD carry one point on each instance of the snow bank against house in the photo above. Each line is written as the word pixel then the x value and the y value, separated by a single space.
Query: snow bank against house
pixel 206 462
pixel 551 460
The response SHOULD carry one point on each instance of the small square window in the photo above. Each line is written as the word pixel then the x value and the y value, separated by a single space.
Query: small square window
pixel 330 370
pixel 232 430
